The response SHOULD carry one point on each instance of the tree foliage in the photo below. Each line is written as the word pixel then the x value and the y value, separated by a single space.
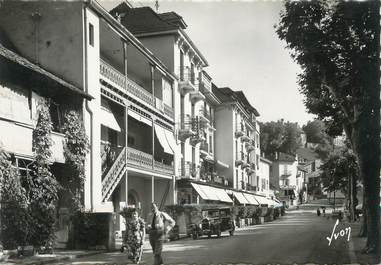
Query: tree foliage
pixel 15 222
pixel 336 171
pixel 316 132
pixel 42 187
pixel 336 44
pixel 280 136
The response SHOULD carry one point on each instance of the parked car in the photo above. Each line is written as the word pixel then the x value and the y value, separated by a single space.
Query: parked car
pixel 174 234
pixel 214 221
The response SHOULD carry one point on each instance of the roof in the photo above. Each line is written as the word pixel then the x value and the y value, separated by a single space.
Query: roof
pixel 306 153
pixel 285 157
pixel 226 94
pixel 244 100
pixel 265 160
pixel 13 57
pixel 173 18
pixel 301 168
pixel 144 20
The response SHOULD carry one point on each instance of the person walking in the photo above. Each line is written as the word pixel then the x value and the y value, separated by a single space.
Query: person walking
pixel 159 224
pixel 134 235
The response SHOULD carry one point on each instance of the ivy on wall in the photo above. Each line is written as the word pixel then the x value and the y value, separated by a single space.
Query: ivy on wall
pixel 41 185
pixel 75 150
pixel 14 216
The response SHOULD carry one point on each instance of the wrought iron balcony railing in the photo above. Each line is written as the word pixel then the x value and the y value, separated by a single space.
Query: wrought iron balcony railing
pixel 125 84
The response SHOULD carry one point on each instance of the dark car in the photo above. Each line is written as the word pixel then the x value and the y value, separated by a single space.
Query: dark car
pixel 214 222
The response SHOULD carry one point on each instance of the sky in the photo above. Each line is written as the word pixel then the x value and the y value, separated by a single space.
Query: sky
pixel 238 40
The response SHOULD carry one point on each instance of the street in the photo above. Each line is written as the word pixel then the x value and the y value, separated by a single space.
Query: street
pixel 297 237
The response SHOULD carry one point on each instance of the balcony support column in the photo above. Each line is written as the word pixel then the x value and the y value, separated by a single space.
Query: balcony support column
pixel 152 71
pixel 153 142
pixel 153 189
pixel 125 60
pixel 126 106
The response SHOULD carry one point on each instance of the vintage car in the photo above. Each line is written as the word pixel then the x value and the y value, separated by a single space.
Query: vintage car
pixel 214 221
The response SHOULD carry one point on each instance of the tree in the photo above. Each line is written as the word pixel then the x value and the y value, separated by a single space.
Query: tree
pixel 280 137
pixel 340 172
pixel 316 133
pixel 336 43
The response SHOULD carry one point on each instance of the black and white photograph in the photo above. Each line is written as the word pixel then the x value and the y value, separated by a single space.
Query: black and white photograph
pixel 190 132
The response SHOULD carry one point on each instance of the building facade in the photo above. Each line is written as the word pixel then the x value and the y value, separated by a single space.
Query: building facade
pixel 284 177
pixel 130 121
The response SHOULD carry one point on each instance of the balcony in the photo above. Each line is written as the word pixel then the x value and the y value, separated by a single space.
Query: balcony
pixel 245 138
pixel 249 146
pixel 212 177
pixel 188 128
pixel 250 170
pixel 204 115
pixel 187 81
pixel 245 165
pixel 123 83
pixel 188 170
pixel 240 130
pixel 143 160
pixel 204 149
pixel 196 96
pixel 240 158
pixel 205 83
pixel 286 173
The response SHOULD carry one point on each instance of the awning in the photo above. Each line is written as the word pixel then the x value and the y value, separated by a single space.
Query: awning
pixel 108 119
pixel 139 117
pixel 171 140
pixel 251 198
pixel 162 139
pixel 261 200
pixel 222 164
pixel 211 193
pixel 241 199
pixel 221 194
pixel 200 191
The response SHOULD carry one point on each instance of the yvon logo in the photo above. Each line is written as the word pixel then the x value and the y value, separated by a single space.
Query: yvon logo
pixel 341 233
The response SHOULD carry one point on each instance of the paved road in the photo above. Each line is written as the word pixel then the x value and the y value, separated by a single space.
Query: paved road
pixel 297 237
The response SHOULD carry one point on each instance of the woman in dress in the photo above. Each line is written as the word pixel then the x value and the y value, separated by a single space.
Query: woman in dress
pixel 134 235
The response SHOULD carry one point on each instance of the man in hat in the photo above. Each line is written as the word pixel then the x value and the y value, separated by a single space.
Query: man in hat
pixel 160 223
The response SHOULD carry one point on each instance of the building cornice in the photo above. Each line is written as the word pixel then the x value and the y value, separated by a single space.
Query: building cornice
pixel 183 41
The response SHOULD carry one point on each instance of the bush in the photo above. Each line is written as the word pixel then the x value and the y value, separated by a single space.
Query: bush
pixel 14 206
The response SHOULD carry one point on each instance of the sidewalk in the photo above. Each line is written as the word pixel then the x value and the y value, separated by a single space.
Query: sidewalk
pixel 59 255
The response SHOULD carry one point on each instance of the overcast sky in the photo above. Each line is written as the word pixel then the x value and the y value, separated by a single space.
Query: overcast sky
pixel 239 41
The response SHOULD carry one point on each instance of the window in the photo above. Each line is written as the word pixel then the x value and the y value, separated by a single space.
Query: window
pixel 91 34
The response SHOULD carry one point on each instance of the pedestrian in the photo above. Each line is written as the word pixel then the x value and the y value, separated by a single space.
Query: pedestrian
pixel 323 208
pixel 318 211
pixel 134 235
pixel 160 223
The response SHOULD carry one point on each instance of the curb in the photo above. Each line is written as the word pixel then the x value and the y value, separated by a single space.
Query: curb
pixel 57 259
